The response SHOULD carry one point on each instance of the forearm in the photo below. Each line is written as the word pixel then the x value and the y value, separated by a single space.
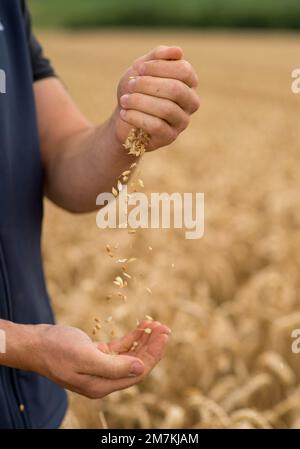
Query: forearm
pixel 22 343
pixel 88 163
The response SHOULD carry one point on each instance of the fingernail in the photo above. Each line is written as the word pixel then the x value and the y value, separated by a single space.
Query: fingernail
pixel 123 113
pixel 124 100
pixel 136 369
pixel 142 69
pixel 132 83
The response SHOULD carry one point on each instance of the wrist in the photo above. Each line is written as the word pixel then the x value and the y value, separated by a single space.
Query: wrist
pixel 23 345
pixel 113 125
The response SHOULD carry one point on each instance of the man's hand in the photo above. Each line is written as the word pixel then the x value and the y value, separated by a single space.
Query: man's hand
pixel 157 93
pixel 67 356
pixel 82 160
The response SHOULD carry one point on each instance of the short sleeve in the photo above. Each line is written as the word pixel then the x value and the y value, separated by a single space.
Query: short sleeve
pixel 41 66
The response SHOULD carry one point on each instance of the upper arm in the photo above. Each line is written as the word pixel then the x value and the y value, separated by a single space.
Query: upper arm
pixel 57 115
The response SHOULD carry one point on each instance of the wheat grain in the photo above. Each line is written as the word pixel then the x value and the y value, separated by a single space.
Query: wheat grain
pixel 120 186
pixel 136 142
pixel 119 281
pixel 114 192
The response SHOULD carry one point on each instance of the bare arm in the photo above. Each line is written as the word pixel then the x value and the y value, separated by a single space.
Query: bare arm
pixel 67 356
pixel 82 160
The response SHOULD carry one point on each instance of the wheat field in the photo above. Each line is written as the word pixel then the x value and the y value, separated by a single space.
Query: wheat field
pixel 232 298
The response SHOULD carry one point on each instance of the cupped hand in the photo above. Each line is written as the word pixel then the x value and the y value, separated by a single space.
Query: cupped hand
pixel 67 356
pixel 158 94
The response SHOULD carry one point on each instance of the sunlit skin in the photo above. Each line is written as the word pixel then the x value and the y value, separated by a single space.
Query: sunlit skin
pixel 158 94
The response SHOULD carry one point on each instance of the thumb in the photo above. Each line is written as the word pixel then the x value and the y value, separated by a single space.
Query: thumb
pixel 162 52
pixel 115 366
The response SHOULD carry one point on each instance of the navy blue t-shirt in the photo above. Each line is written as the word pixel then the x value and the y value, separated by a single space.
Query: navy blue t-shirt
pixel 23 293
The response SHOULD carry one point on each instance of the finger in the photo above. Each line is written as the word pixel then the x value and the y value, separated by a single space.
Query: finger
pixel 165 109
pixel 102 347
pixel 162 52
pixel 157 344
pixel 180 70
pixel 125 343
pixel 154 126
pixel 154 326
pixel 153 357
pixel 171 89
pixel 98 363
pixel 152 345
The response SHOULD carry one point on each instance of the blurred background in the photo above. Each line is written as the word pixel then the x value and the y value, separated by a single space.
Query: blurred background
pixel 168 13
pixel 232 298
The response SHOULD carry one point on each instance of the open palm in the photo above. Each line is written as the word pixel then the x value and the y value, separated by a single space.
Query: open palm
pixel 147 342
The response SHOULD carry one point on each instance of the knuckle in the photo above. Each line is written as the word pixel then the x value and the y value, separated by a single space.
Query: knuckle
pixel 157 126
pixel 144 123
pixel 159 48
pixel 195 104
pixel 176 90
pixel 172 135
pixel 168 109
pixel 186 121
pixel 186 69
pixel 133 100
